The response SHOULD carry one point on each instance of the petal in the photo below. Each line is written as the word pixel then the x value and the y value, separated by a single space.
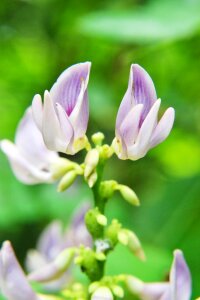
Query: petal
pixel 130 126
pixel 65 124
pixel 147 291
pixel 50 241
pixel 140 148
pixel 163 128
pixel 180 279
pixel 22 168
pixel 144 90
pixel 53 136
pixel 30 143
pixel 102 293
pixel 34 260
pixel 37 111
pixel 67 88
pixel 14 284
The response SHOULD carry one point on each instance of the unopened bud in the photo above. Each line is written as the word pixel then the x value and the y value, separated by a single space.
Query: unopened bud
pixel 95 222
pixel 118 291
pixel 91 161
pixel 128 194
pixel 98 138
pixel 93 286
pixel 106 151
pixel 61 166
pixel 112 231
pixel 102 293
pixel 107 188
pixel 92 179
pixel 67 181
pixel 129 239
pixel 48 297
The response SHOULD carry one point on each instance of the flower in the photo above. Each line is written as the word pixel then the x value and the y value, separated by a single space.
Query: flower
pixel 178 287
pixel 52 242
pixel 63 117
pixel 13 282
pixel 137 125
pixel 29 158
pixel 102 293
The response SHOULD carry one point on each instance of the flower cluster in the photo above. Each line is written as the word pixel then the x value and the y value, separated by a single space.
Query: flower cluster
pixel 59 124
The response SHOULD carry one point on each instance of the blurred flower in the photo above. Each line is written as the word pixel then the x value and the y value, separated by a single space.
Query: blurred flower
pixel 137 126
pixel 63 117
pixel 178 287
pixel 13 282
pixel 53 241
pixel 29 158
pixel 102 293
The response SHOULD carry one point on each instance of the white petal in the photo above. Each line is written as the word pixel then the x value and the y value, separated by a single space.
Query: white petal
pixel 163 128
pixel 102 293
pixel 130 126
pixel 140 148
pixel 22 168
pixel 53 136
pixel 65 124
pixel 37 111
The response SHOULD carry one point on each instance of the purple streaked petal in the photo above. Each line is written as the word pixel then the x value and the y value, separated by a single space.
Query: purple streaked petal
pixel 163 128
pixel 130 126
pixel 67 88
pixel 180 279
pixel 53 135
pixel 155 291
pixel 141 146
pixel 143 88
pixel 49 243
pixel 14 284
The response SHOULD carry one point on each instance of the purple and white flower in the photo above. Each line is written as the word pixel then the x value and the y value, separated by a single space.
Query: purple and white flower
pixel 178 287
pixel 29 158
pixel 52 242
pixel 137 126
pixel 63 117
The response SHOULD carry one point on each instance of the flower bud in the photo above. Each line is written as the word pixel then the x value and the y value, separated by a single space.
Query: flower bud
pixel 91 161
pixel 129 239
pixel 117 291
pixel 98 138
pixel 95 221
pixel 92 179
pixel 102 293
pixel 67 180
pixel 128 194
pixel 107 188
pixel 112 231
pixel 62 166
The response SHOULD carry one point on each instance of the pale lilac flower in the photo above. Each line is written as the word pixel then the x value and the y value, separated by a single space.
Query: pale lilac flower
pixel 28 156
pixel 137 125
pixel 13 282
pixel 63 117
pixel 53 240
pixel 178 287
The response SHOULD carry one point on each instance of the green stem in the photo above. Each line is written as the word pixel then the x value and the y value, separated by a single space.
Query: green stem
pixel 98 199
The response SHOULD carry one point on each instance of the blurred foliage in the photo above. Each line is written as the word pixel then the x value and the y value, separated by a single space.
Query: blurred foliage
pixel 39 39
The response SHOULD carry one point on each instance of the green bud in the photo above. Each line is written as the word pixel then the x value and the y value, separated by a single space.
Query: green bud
pixel 93 286
pixel 117 291
pixel 95 222
pixel 128 194
pixel 67 180
pixel 100 256
pixel 98 138
pixel 62 166
pixel 91 161
pixel 129 239
pixel 106 151
pixel 92 179
pixel 107 188
pixel 48 297
pixel 112 231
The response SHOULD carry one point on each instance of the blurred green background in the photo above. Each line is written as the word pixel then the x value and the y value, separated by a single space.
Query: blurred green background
pixel 38 40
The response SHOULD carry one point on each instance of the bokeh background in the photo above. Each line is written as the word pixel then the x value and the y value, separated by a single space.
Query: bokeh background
pixel 38 40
